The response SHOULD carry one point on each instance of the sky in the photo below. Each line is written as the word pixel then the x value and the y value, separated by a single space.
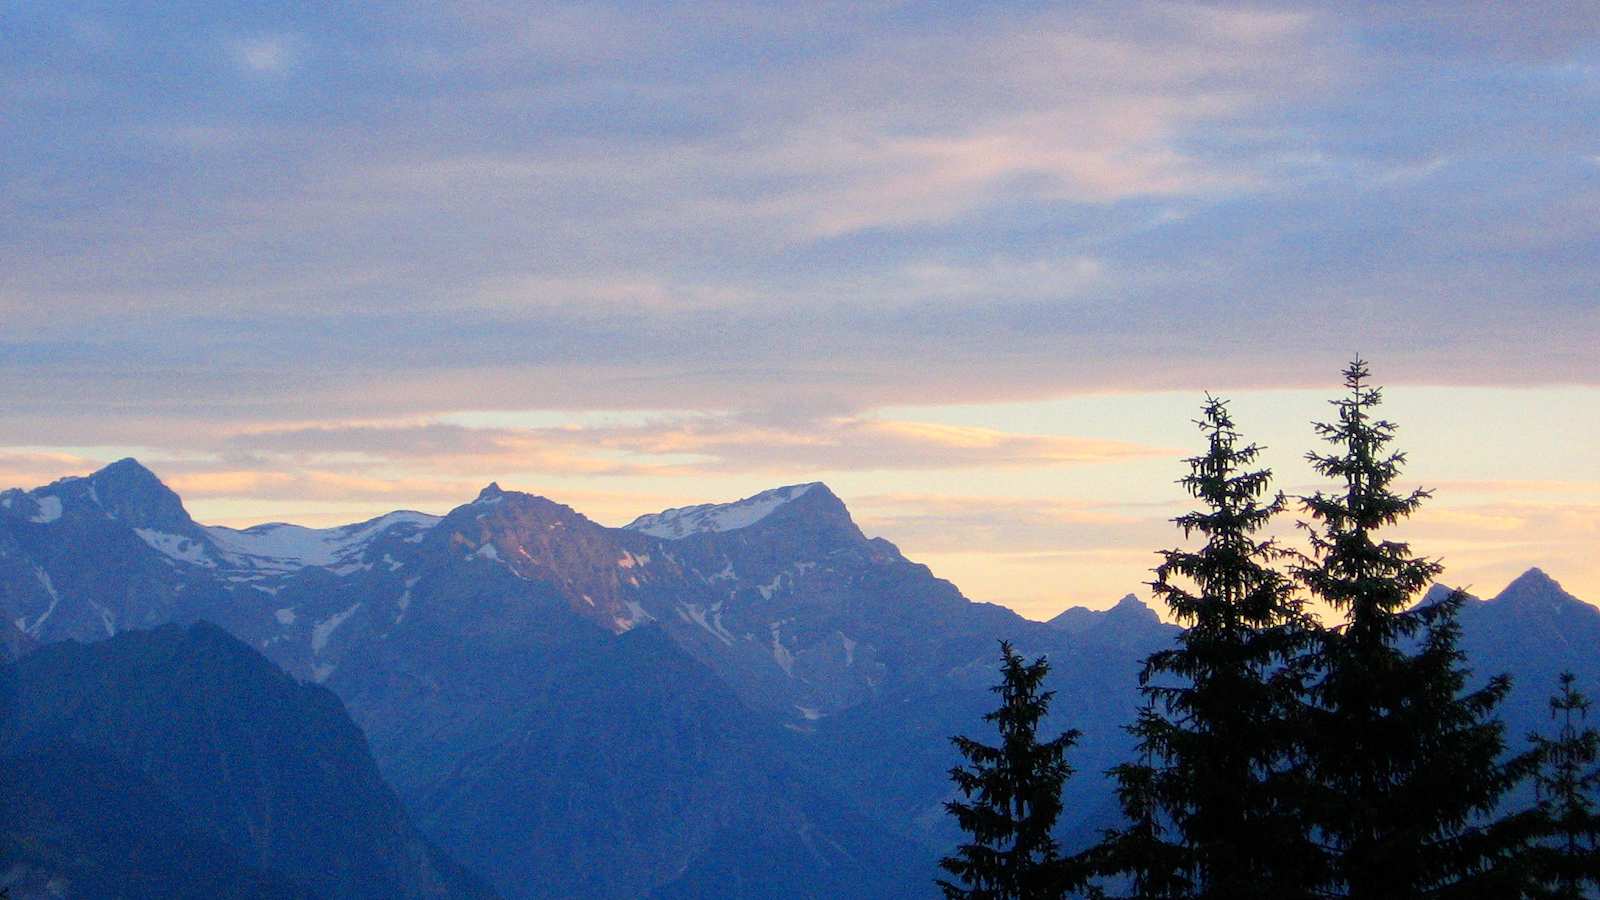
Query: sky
pixel 974 265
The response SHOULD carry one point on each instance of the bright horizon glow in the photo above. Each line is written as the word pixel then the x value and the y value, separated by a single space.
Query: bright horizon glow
pixel 1040 533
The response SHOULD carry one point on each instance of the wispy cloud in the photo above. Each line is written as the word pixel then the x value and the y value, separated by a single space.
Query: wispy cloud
pixel 272 55
pixel 696 445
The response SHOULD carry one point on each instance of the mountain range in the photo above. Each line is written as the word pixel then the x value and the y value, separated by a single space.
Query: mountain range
pixel 745 699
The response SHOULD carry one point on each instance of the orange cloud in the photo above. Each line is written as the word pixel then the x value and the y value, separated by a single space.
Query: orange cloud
pixel 696 445
pixel 30 469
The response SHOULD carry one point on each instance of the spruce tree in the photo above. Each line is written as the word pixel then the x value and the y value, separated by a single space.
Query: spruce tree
pixel 1142 852
pixel 1406 761
pixel 1212 808
pixel 1567 861
pixel 1012 797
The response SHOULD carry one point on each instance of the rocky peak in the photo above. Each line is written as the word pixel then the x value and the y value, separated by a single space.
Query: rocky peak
pixel 133 494
pixel 1438 593
pixel 808 514
pixel 125 491
pixel 1534 589
pixel 1128 613
pixel 540 539
pixel 517 508
pixel 704 518
pixel 1129 617
pixel 1130 605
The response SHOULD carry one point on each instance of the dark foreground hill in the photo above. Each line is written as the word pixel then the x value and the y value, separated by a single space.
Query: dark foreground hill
pixel 178 762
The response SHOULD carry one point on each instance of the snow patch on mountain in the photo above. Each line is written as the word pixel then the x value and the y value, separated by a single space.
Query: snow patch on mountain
pixel 697 614
pixel 107 620
pixel 405 598
pixel 680 522
pixel 771 587
pixel 404 603
pixel 49 510
pixel 325 629
pixel 176 547
pixel 280 547
pixel 780 653
pixel 55 599
pixel 636 615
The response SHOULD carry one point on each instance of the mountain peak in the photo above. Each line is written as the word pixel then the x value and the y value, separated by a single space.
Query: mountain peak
pixel 680 522
pixel 1438 593
pixel 1131 603
pixel 134 494
pixel 1534 578
pixel 1128 613
pixel 1131 612
pixel 125 491
pixel 126 470
pixel 495 495
pixel 1535 589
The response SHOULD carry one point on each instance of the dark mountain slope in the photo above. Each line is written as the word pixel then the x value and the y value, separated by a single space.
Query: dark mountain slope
pixel 268 768
pixel 78 825
pixel 630 765
pixel 562 759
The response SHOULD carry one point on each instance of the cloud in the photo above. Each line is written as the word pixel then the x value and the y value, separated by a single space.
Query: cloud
pixel 605 209
pixel 682 446
pixel 1471 29
pixel 312 485
pixel 1536 487
pixel 23 469
pixel 263 55
pixel 943 524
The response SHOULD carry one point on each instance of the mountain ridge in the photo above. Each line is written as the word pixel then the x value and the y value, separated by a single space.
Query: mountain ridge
pixel 475 646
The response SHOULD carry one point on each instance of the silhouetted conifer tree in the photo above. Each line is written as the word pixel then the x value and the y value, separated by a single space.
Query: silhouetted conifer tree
pixel 1012 797
pixel 1143 851
pixel 1213 807
pixel 1568 859
pixel 1407 763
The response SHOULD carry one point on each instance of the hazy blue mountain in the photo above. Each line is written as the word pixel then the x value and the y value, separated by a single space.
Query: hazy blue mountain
pixel 265 775
pixel 1128 620
pixel 723 700
pixel 1534 631
pixel 73 564
pixel 77 825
